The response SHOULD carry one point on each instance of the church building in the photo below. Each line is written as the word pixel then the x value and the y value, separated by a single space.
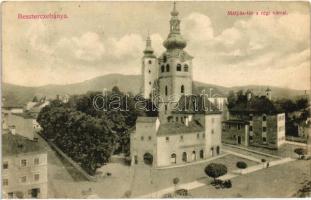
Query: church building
pixel 188 127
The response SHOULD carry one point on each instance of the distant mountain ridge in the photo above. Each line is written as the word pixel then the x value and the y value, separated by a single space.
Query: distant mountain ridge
pixel 19 95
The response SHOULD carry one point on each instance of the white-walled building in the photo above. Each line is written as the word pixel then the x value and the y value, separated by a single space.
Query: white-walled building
pixel 188 127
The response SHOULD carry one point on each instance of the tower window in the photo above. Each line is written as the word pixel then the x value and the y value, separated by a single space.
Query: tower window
pixel 178 67
pixel 150 61
pixel 186 68
pixel 167 68
pixel 162 68
pixel 164 59
pixel 182 89
pixel 166 91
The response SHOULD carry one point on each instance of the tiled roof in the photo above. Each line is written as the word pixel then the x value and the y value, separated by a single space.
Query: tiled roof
pixel 195 104
pixel 179 128
pixel 17 144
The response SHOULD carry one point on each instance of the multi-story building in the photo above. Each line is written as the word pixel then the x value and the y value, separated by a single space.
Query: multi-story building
pixel 248 125
pixel 188 127
pixel 24 167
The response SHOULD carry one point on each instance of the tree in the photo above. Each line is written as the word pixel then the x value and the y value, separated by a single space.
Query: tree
pixel 35 99
pixel 241 165
pixel 231 99
pixel 215 170
pixel 300 152
pixel 302 103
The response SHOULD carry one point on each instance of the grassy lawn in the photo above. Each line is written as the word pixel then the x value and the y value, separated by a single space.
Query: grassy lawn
pixel 279 181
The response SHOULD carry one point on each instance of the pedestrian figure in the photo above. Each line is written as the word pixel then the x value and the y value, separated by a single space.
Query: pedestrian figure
pixel 267 164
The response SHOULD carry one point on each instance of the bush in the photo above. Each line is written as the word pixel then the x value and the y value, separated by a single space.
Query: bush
pixel 241 165
pixel 215 170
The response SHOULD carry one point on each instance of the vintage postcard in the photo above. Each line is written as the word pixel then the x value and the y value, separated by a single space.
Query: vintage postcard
pixel 155 99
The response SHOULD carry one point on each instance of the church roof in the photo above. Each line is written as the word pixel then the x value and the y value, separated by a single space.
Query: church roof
pixel 179 128
pixel 195 104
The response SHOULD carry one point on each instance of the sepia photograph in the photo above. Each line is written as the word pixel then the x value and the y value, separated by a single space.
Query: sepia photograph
pixel 155 99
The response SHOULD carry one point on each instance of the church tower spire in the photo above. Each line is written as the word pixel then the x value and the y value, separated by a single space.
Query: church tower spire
pixel 148 50
pixel 174 39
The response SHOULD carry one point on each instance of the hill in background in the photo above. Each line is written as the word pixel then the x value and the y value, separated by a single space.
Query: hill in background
pixel 19 95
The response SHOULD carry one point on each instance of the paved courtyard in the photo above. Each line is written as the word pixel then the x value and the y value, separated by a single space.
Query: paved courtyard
pixel 66 182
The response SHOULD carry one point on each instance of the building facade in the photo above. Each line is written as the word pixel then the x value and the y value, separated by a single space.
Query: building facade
pixel 250 125
pixel 188 127
pixel 24 168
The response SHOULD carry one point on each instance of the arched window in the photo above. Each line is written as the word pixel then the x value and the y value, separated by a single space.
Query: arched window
pixel 186 68
pixel 178 68
pixel 264 118
pixel 201 154
pixel 167 68
pixel 182 89
pixel 162 68
pixel 194 156
pixel 166 91
pixel 184 157
pixel 173 158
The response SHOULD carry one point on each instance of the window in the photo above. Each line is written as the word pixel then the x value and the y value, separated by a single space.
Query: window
pixel 264 139
pixel 142 138
pixel 162 68
pixel 250 128
pixel 164 59
pixel 149 82
pixel 203 135
pixel 136 160
pixel 5 165
pixel 166 91
pixel 149 138
pixel 5 182
pixel 201 154
pixel 184 157
pixel 178 68
pixel 36 177
pixel 167 68
pixel 251 138
pixel 264 118
pixel 173 158
pixel 181 138
pixel 167 139
pixel 24 163
pixel 182 89
pixel 23 179
pixel 212 131
pixel 149 71
pixel 239 126
pixel 186 68
pixel 264 129
pixel 165 107
pixel 36 161
pixel 198 135
pixel 150 61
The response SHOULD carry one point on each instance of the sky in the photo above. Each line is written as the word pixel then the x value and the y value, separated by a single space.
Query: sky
pixel 101 38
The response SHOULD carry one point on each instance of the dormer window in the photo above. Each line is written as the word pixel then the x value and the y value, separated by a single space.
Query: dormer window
pixel 178 68
pixel 186 68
